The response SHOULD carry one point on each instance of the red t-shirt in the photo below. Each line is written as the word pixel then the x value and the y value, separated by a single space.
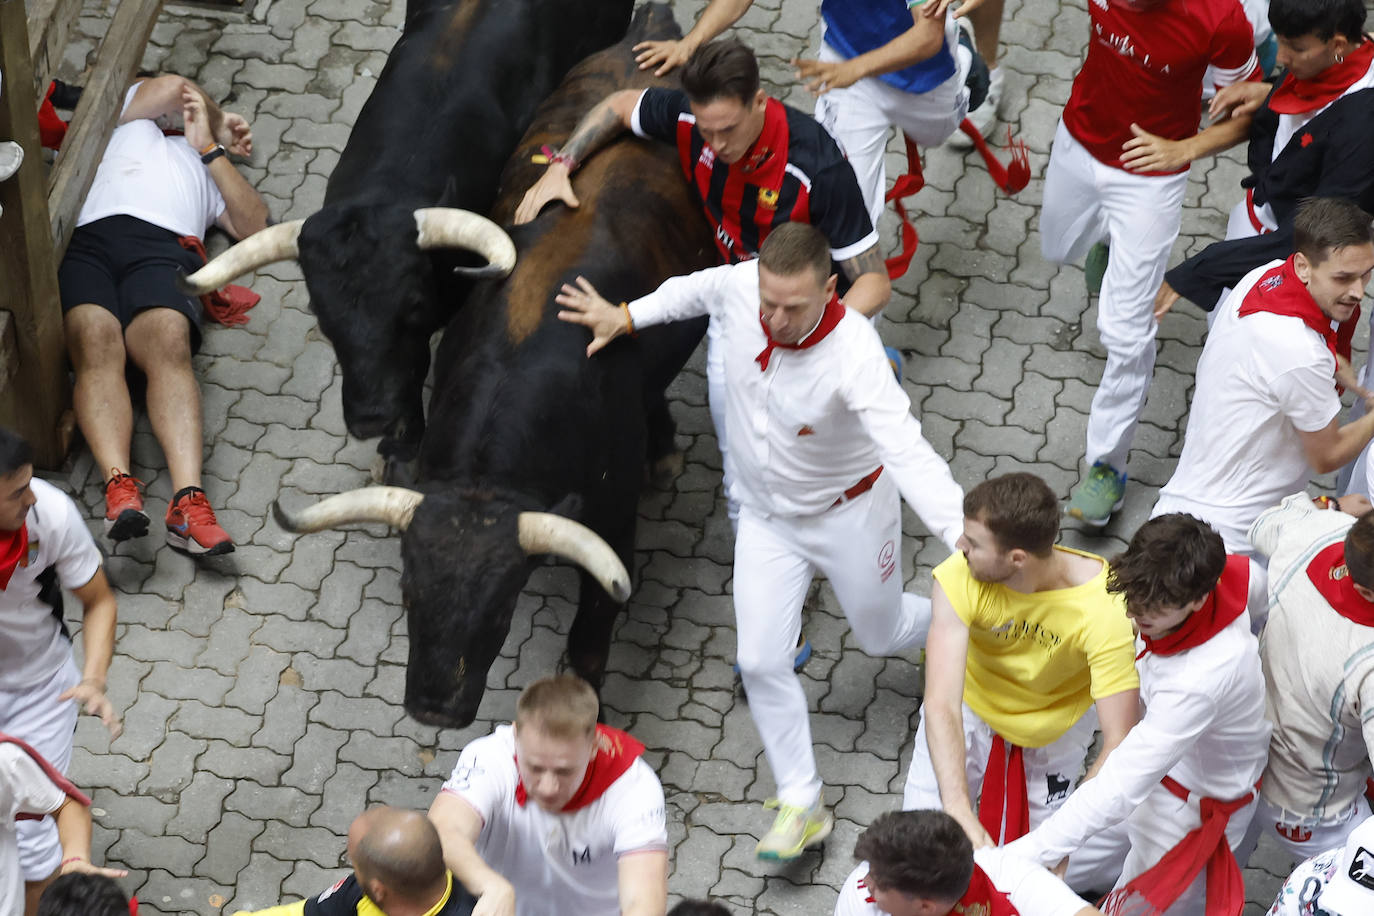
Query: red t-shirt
pixel 1146 67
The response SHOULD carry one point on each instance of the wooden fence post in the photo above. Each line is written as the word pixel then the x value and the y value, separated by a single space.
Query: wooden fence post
pixel 35 397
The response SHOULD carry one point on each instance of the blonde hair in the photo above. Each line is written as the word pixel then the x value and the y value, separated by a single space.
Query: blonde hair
pixel 562 706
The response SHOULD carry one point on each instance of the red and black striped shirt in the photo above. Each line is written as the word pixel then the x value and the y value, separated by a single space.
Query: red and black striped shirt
pixel 798 174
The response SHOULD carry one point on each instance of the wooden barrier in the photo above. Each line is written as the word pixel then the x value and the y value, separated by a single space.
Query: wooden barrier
pixel 40 209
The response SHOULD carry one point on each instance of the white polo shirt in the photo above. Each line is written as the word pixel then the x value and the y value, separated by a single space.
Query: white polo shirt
pixel 24 787
pixel 815 421
pixel 1031 889
pixel 557 863
pixel 1261 380
pixel 32 647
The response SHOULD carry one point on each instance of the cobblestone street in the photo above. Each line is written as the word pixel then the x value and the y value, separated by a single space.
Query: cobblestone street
pixel 262 691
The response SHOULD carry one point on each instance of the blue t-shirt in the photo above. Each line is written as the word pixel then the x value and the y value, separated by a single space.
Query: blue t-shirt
pixel 854 27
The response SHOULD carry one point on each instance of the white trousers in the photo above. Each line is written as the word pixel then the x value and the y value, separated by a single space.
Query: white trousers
pixel 1156 827
pixel 857 546
pixel 1304 837
pixel 861 117
pixel 1087 202
pixel 36 717
pixel 1051 773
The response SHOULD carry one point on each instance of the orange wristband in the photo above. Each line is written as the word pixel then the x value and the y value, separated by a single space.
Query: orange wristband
pixel 629 322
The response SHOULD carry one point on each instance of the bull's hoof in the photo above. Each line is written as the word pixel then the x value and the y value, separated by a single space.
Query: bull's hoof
pixel 664 471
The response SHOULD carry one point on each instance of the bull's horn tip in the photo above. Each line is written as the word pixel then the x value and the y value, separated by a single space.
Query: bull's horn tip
pixel 621 590
pixel 284 519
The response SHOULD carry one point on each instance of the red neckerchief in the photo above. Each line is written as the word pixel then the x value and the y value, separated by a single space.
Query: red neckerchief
pixel 616 752
pixel 1295 96
pixel 983 898
pixel 13 546
pixel 1154 890
pixel 1004 789
pixel 834 311
pixel 1328 573
pixel 1280 292
pixel 1225 603
pixel 55 777
pixel 228 306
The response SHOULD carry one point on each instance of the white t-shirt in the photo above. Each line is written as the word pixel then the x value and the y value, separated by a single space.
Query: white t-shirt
pixel 557 863
pixel 1031 889
pixel 1260 380
pixel 24 787
pixel 1300 893
pixel 815 421
pixel 32 647
pixel 1204 725
pixel 157 178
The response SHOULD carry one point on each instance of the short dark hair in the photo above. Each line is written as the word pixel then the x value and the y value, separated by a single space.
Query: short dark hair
pixel 722 69
pixel 794 247
pixel 1171 561
pixel 15 451
pixel 79 894
pixel 1322 18
pixel 1323 224
pixel 698 908
pixel 922 853
pixel 1359 551
pixel 1019 509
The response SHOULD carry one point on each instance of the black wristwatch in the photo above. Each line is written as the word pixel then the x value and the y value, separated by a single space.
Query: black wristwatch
pixel 213 154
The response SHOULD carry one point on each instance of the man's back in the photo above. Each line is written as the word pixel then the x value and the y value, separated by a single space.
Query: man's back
pixel 1037 661
pixel 1319 665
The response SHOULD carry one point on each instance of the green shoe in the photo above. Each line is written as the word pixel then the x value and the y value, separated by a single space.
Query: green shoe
pixel 1095 266
pixel 1099 495
pixel 794 829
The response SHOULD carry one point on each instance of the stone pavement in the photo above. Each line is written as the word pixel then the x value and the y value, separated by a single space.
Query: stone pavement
pixel 261 692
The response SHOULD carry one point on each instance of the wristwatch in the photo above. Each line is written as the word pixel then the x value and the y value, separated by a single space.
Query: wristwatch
pixel 212 155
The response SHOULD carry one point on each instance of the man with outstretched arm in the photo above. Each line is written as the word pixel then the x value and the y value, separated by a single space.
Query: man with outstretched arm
pixel 1184 780
pixel 822 439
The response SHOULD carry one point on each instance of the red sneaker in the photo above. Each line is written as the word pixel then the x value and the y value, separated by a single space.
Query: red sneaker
pixel 124 516
pixel 191 525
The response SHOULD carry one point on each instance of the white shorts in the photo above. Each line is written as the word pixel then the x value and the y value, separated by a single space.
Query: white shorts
pixel 36 717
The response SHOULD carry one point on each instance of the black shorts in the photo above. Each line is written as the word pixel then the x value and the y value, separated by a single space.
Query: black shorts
pixel 126 266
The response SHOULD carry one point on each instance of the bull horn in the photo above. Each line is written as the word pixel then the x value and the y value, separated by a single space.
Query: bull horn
pixel 392 506
pixel 544 532
pixel 275 243
pixel 445 227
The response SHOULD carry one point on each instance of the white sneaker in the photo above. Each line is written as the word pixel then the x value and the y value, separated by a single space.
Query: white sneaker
pixel 11 156
pixel 984 117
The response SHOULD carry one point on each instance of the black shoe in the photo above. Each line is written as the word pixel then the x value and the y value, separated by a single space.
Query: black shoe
pixel 978 79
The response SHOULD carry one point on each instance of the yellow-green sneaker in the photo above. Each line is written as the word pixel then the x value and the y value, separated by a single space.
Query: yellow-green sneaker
pixel 795 828
pixel 1100 494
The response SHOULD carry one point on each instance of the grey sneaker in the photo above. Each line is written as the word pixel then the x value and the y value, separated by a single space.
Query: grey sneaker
pixel 11 157
pixel 1099 495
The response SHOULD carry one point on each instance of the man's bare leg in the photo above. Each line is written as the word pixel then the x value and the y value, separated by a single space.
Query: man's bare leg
pixel 986 20
pixel 159 343
pixel 95 343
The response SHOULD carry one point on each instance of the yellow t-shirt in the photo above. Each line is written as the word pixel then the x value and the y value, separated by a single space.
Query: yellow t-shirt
pixel 1036 662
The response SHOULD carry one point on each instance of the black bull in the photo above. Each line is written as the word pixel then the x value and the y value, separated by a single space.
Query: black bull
pixel 522 422
pixel 459 89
